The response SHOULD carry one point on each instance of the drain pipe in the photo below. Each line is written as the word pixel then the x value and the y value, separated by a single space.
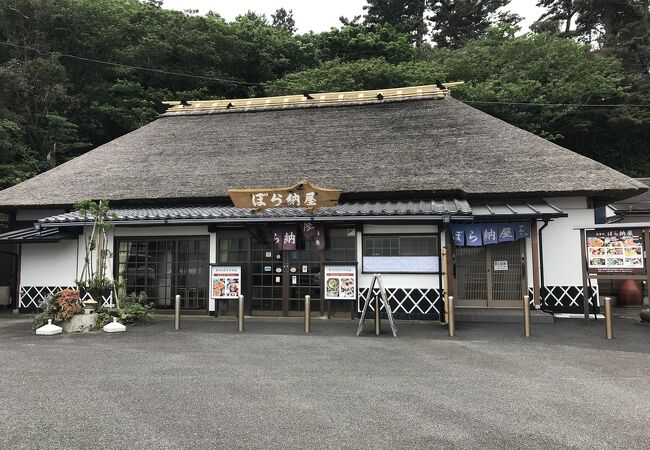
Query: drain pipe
pixel 541 265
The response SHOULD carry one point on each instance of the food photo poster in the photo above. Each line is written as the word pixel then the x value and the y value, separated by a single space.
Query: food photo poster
pixel 340 282
pixel 225 281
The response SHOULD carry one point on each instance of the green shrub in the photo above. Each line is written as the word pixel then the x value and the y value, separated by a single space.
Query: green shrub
pixel 59 307
pixel 134 311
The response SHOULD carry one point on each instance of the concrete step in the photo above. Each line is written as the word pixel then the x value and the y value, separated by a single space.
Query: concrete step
pixel 499 315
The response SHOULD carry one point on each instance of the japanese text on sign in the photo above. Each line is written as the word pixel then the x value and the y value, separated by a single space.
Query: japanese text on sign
pixel 295 200
pixel 475 235
pixel 615 251
pixel 301 195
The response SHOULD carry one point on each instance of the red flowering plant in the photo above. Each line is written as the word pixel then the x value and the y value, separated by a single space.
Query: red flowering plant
pixel 69 302
pixel 58 307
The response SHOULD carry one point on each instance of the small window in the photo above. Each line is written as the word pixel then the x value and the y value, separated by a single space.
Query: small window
pixel 401 246
pixel 401 254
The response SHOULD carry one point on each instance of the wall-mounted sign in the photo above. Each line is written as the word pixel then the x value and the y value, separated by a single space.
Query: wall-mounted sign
pixel 401 264
pixel 225 282
pixel 500 265
pixel 303 194
pixel 615 250
pixel 475 235
pixel 340 282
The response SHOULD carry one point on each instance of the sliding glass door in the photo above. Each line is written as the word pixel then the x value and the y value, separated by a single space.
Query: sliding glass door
pixel 164 268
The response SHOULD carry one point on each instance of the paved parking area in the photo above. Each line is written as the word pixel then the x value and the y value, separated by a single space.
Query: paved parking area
pixel 208 386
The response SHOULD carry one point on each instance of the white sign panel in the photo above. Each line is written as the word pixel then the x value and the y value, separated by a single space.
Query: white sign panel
pixel 405 264
pixel 500 265
pixel 225 282
pixel 340 282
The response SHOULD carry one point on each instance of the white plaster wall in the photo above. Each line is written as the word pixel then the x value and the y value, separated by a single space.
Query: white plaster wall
pixel 81 251
pixel 561 243
pixel 49 264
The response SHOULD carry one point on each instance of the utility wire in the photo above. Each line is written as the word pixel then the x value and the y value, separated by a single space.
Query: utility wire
pixel 585 105
pixel 98 61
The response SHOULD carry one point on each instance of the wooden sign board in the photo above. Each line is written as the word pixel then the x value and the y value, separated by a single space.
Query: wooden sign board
pixel 303 194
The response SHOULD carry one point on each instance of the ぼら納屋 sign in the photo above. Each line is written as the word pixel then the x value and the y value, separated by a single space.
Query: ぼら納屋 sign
pixel 303 194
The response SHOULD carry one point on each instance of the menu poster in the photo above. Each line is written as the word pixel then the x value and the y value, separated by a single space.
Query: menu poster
pixel 340 282
pixel 614 251
pixel 225 282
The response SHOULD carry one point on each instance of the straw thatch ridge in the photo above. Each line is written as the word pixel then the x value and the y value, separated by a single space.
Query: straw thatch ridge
pixel 408 149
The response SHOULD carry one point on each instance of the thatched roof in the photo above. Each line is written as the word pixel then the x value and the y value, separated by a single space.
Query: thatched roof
pixel 390 148
pixel 639 204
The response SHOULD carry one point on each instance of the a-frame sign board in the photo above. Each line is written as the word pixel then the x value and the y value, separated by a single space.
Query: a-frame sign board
pixel 376 281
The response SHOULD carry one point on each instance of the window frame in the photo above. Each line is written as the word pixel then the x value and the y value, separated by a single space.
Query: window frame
pixel 435 236
pixel 177 238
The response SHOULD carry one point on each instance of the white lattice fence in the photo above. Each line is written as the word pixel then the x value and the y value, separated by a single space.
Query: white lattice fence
pixel 414 302
pixel 566 298
pixel 31 296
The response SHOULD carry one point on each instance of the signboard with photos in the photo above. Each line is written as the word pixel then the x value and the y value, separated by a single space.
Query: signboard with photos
pixel 225 282
pixel 340 282
pixel 615 251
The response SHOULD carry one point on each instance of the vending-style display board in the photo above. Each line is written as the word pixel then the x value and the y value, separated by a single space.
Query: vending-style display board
pixel 340 282
pixel 225 282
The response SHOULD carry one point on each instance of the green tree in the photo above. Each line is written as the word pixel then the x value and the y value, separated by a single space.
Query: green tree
pixel 354 42
pixel 373 73
pixel 406 16
pixel 33 94
pixel 16 162
pixel 558 12
pixel 283 20
pixel 456 22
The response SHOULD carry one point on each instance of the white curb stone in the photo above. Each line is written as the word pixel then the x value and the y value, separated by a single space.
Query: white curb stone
pixel 49 329
pixel 114 327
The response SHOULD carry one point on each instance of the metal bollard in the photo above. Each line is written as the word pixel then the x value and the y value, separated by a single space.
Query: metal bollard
pixel 526 316
pixel 240 317
pixel 177 313
pixel 307 313
pixel 609 332
pixel 451 319
pixel 377 316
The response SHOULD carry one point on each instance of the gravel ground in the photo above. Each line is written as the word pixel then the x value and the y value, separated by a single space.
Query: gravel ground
pixel 208 386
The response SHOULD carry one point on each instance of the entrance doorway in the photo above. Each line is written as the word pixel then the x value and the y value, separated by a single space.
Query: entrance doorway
pixel 282 278
pixel 492 276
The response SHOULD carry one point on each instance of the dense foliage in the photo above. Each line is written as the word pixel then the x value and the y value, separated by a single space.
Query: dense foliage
pixel 59 308
pixel 134 310
pixel 57 101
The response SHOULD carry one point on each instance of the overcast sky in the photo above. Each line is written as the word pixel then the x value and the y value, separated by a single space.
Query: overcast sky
pixel 315 15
